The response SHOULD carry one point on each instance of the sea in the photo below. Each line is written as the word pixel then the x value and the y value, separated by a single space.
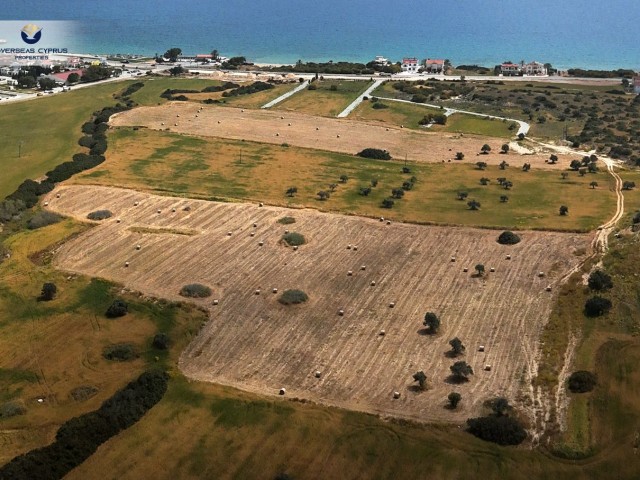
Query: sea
pixel 598 34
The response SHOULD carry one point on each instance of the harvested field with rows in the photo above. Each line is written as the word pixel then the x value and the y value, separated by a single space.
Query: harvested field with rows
pixel 156 245
pixel 332 134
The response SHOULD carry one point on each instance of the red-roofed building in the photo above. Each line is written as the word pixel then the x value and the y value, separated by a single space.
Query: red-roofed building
pixel 432 65
pixel 63 77
pixel 510 69
pixel 410 65
pixel 534 68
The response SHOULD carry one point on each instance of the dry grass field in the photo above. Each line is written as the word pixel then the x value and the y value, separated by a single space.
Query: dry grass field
pixel 256 344
pixel 336 135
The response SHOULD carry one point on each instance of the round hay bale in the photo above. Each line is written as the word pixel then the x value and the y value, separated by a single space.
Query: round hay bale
pixel 318 374
pixel 392 304
pixel 492 269
pixel 295 248
pixel 396 395
pixel 218 121
pixel 349 273
pixel 286 231
pixel 158 211
pixel 317 128
pixel 255 225
pixel 274 290
pixel 283 391
pixel 252 234
pixel 162 124
pixel 382 333
pixel 363 267
pixel 388 222
pixel 138 247
pixel 215 302
pixel 487 368
pixel 229 234
pixel 261 204
pixel 126 264
pixel 349 247
pixel 508 257
pixel 261 243
pixel 338 136
pixel 541 274
pixel 57 195
pixel 173 210
pixel 355 248
pixel 257 292
pixel 277 134
pixel 481 348
pixel 382 219
pixel 135 204
pixel 453 259
pixel 341 312
pixel 196 115
pixel 177 115
pixel 373 283
pixel 548 289
pixel 118 220
pixel 465 269
pixel 175 124
pixel 46 204
pixel 288 124
pixel 281 118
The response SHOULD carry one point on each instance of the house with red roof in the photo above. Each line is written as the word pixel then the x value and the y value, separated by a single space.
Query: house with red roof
pixel 409 65
pixel 63 77
pixel 433 65
pixel 534 68
pixel 510 69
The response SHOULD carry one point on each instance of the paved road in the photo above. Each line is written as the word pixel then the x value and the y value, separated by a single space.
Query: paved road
pixel 281 98
pixel 358 100
pixel 524 126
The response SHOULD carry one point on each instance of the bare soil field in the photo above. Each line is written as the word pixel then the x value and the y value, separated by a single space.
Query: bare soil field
pixel 254 343
pixel 336 135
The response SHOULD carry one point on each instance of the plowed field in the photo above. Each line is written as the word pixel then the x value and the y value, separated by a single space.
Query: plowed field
pixel 254 343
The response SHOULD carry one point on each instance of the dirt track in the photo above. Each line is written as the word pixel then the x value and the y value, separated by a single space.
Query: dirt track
pixel 254 343
pixel 332 134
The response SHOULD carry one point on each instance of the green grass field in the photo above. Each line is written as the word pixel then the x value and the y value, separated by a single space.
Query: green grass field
pixel 154 86
pixel 211 168
pixel 324 101
pixel 461 123
pixel 396 113
pixel 45 131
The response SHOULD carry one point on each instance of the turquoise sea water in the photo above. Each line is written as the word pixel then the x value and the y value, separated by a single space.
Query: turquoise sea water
pixel 566 33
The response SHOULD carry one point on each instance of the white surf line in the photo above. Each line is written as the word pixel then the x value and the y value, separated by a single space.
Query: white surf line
pixel 281 98
pixel 358 100
pixel 524 126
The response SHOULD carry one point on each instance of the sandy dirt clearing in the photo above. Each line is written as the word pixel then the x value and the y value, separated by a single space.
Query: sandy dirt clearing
pixel 332 134
pixel 254 343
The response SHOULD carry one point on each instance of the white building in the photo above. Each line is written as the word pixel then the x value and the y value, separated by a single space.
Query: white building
pixel 636 85
pixel 534 68
pixel 410 65
pixel 510 69
pixel 380 60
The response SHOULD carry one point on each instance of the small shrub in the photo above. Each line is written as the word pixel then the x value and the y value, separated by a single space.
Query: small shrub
pixel 287 220
pixel 501 430
pixel 294 239
pixel 387 203
pixel 582 381
pixel 596 306
pixel 117 309
pixel 48 292
pixel 100 215
pixel 82 393
pixel 43 219
pixel 11 409
pixel 161 341
pixel 195 290
pixel 508 238
pixel 379 105
pixel 293 297
pixel 120 352
pixel 599 280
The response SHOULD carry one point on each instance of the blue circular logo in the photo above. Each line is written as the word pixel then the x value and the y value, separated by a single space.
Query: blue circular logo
pixel 31 34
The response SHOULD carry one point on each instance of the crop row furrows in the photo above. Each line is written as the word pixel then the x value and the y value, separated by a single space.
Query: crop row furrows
pixel 254 342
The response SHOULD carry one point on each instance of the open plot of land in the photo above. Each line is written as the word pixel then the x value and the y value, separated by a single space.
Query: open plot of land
pixel 337 135
pixel 257 344
pixel 253 100
pixel 396 113
pixel 324 101
pixel 39 134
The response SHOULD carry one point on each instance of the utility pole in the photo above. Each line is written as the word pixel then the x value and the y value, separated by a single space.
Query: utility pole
pixel 20 148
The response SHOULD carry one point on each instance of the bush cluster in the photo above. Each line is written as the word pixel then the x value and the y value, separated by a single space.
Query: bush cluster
pixel 120 352
pixel 502 430
pixel 99 215
pixel 195 290
pixel 118 308
pixel 11 409
pixel 42 219
pixel 248 89
pixel 294 239
pixel 581 381
pixel 508 238
pixel 293 297
pixel 375 153
pixel 78 438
